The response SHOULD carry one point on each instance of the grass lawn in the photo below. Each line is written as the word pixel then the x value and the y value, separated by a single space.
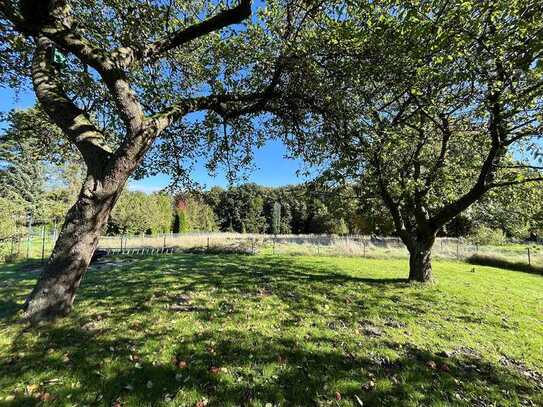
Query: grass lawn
pixel 221 330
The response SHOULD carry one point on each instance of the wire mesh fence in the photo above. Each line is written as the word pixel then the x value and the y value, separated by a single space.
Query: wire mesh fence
pixel 39 244
pixel 324 245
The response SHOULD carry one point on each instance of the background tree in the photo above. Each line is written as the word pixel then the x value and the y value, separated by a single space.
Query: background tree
pixel 194 215
pixel 137 212
pixel 37 169
pixel 11 212
pixel 276 218
pixel 513 210
pixel 430 105
pixel 163 214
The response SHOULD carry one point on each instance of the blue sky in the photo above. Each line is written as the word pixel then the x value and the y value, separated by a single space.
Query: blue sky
pixel 272 169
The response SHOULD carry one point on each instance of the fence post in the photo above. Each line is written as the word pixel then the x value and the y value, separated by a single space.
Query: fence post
pixel 364 245
pixel 164 242
pixel 529 258
pixel 273 239
pixel 42 243
pixel 208 243
pixel 457 248
pixel 29 238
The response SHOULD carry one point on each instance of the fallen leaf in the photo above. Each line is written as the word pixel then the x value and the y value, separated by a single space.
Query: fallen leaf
pixel 369 385
pixel 180 363
pixel 31 389
pixel 45 396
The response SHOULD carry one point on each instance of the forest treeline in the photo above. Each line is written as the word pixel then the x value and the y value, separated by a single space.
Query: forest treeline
pixel 303 209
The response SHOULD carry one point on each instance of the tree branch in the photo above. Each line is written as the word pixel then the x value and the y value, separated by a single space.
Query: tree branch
pixel 225 18
pixel 488 169
pixel 509 183
pixel 57 26
pixel 73 121
pixel 226 105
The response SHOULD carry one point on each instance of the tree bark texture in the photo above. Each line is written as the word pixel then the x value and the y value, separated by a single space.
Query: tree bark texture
pixel 55 290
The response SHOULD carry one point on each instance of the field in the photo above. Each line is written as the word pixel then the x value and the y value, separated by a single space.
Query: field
pixel 277 330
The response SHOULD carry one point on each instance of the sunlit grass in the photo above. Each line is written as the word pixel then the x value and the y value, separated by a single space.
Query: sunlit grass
pixel 278 330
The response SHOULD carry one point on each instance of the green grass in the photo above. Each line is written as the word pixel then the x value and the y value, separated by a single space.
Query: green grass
pixel 278 330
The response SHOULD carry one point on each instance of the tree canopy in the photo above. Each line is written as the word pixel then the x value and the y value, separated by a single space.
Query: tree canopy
pixel 429 105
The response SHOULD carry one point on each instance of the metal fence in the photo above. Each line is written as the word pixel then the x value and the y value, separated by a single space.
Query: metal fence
pixel 39 244
pixel 324 245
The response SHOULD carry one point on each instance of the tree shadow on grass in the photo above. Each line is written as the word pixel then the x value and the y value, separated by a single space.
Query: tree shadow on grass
pixel 250 369
pixel 16 280
pixel 321 342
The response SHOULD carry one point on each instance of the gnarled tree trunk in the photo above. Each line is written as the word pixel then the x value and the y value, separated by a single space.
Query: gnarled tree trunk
pixel 54 29
pixel 420 260
pixel 55 290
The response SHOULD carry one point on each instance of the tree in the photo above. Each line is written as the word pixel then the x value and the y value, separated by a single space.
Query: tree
pixel 423 103
pixel 132 213
pixel 134 70
pixel 22 172
pixel 137 212
pixel 36 168
pixel 513 210
pixel 162 214
pixel 200 216
pixel 276 218
pixel 10 212
pixel 195 215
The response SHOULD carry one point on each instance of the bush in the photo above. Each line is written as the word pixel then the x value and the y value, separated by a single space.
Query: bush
pixel 483 235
